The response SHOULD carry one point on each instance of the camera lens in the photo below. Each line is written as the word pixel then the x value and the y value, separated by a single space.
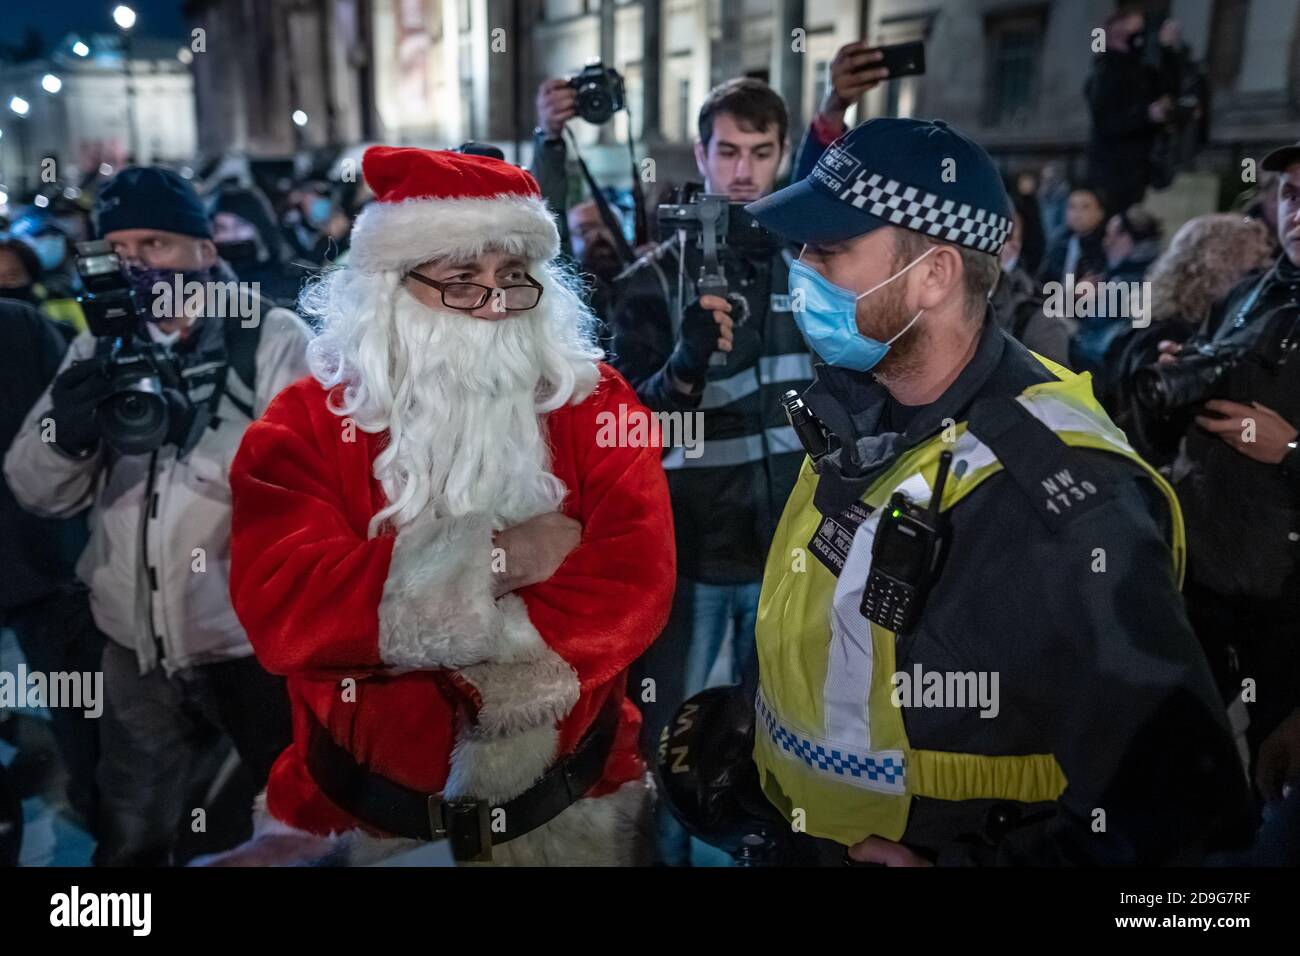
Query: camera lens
pixel 1150 389
pixel 1191 379
pixel 135 419
pixel 594 105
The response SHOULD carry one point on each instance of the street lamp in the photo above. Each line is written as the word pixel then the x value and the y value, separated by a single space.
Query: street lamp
pixel 299 118
pixel 21 107
pixel 80 49
pixel 124 17
pixel 51 83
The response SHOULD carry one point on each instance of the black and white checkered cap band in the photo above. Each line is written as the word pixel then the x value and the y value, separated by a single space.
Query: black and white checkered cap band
pixel 921 211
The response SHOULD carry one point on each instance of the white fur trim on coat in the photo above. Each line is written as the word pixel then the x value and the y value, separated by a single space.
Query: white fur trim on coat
pixel 397 236
pixel 437 608
pixel 526 685
pixel 513 738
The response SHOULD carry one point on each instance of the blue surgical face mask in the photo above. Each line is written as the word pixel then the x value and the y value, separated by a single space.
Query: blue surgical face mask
pixel 51 251
pixel 828 317
pixel 319 212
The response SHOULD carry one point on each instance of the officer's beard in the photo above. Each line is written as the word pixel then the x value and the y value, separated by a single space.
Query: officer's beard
pixel 885 319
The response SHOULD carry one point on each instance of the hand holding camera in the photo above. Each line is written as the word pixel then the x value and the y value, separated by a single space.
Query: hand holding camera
pixel 595 95
pixel 707 327
pixel 1269 440
pixel 76 393
pixel 140 402
pixel 557 103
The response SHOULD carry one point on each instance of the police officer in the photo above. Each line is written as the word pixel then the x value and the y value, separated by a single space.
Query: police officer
pixel 1006 674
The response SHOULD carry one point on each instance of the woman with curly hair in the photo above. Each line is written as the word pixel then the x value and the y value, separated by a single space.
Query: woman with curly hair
pixel 1205 259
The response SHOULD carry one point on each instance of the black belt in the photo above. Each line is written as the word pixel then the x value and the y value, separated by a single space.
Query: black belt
pixel 471 826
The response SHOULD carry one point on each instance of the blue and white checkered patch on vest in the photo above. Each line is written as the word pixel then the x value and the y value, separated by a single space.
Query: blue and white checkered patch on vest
pixel 883 772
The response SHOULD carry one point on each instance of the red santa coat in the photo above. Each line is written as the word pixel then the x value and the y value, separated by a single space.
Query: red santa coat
pixel 453 692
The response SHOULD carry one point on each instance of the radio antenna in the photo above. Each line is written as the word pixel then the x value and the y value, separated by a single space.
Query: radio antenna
pixel 936 499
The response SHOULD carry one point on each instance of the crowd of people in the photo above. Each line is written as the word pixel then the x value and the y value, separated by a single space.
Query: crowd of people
pixel 101 547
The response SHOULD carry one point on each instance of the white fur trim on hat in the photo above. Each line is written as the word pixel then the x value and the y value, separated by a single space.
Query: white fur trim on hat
pixel 397 236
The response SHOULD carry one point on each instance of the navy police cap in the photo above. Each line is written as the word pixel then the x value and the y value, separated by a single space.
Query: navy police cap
pixel 921 175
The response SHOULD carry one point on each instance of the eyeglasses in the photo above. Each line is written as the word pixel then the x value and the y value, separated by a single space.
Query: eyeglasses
pixel 468 296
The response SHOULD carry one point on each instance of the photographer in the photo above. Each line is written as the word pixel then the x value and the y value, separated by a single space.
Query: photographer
pixel 557 103
pixel 726 500
pixel 178 666
pixel 585 234
pixel 1232 409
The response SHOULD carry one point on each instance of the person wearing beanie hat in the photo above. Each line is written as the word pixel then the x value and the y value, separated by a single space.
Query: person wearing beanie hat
pixel 444 513
pixel 957 680
pixel 178 667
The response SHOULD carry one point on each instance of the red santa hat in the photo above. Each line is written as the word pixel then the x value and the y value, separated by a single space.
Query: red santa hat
pixel 434 204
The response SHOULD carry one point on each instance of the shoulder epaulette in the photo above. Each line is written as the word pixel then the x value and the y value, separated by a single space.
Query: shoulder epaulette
pixel 1060 483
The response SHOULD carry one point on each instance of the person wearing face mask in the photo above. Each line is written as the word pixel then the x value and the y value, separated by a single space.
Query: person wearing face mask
pixel 23 279
pixel 1046 572
pixel 316 225
pixel 178 667
pixel 244 229
pixel 19 271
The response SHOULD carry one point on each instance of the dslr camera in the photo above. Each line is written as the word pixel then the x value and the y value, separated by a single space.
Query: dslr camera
pixel 1194 377
pixel 600 92
pixel 147 406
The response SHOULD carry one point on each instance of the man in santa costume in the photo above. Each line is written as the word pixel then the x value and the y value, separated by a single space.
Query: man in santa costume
pixel 431 544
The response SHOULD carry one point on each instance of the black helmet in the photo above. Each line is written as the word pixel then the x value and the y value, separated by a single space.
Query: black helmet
pixel 706 774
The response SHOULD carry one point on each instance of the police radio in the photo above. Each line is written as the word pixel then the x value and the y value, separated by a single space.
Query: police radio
pixel 905 556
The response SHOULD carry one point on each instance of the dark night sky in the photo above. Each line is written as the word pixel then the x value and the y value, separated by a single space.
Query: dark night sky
pixel 154 18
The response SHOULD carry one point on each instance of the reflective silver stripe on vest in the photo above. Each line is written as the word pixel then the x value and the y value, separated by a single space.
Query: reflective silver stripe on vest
pixel 792 367
pixel 850 658
pixel 728 452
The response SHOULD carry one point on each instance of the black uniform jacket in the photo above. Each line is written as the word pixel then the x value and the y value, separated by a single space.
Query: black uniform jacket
pixel 1080 617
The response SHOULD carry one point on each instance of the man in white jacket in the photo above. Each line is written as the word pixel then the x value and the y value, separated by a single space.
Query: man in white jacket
pixel 178 667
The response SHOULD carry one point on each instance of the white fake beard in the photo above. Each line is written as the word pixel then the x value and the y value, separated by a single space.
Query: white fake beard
pixel 465 434
pixel 463 399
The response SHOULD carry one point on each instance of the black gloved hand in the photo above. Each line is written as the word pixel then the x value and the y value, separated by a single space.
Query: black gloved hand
pixel 697 341
pixel 75 394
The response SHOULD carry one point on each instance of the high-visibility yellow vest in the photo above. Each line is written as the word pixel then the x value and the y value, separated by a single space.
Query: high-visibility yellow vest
pixel 829 740
pixel 66 310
